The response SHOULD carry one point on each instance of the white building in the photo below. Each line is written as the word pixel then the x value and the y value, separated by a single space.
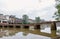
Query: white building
pixel 31 21
pixel 4 18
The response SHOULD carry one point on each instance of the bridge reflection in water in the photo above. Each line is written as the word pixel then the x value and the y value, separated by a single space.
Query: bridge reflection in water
pixel 12 29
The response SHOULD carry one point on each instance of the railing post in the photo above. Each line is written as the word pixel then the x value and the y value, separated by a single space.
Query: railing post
pixel 53 29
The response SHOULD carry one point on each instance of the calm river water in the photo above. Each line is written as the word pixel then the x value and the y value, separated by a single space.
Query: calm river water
pixel 17 33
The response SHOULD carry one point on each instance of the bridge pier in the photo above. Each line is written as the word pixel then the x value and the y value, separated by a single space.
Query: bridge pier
pixel 53 29
pixel 31 27
pixel 3 26
pixel 14 26
pixel 7 26
pixel 21 27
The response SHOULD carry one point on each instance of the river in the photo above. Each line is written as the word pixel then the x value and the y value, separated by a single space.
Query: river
pixel 17 33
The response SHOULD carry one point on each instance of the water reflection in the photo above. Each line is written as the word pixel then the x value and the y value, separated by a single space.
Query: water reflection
pixel 58 30
pixel 17 33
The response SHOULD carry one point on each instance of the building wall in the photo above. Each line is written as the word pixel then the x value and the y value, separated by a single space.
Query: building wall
pixel 31 21
pixel 3 19
pixel 19 21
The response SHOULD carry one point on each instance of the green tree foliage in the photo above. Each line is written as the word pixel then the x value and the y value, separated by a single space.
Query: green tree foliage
pixel 25 19
pixel 37 19
pixel 57 14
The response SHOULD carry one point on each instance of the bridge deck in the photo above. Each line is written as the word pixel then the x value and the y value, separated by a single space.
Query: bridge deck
pixel 32 24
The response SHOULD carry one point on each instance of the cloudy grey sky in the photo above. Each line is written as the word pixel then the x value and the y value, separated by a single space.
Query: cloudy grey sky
pixel 33 8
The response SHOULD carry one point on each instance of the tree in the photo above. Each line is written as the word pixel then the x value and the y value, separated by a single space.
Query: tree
pixel 25 19
pixel 37 19
pixel 57 14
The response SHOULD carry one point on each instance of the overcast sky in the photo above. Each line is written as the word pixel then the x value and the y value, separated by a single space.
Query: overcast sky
pixel 33 8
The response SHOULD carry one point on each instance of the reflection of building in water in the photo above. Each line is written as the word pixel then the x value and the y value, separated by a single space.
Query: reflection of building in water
pixel 4 33
pixel 43 26
pixel 12 32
